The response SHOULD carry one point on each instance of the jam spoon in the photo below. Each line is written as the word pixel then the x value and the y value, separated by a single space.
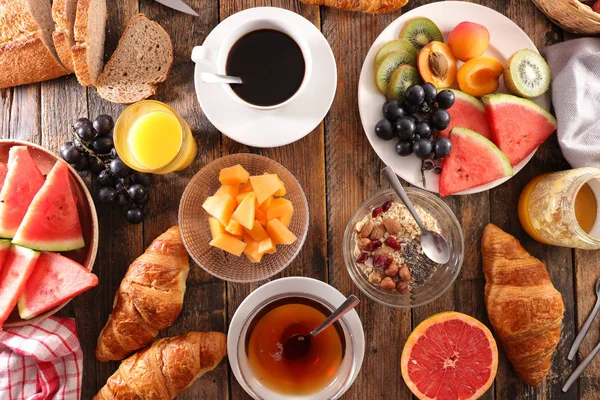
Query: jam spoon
pixel 298 345
pixel 586 325
pixel 434 245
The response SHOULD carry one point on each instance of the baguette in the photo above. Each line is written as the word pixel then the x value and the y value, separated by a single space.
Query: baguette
pixel 89 34
pixel 142 59
pixel 27 51
pixel 63 13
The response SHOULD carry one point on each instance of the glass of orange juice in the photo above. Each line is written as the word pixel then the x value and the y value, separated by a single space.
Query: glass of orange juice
pixel 151 137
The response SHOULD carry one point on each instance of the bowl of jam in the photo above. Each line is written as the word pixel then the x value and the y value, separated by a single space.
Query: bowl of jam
pixel 271 315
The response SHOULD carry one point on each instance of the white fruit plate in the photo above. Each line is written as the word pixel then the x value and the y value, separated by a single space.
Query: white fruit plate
pixel 505 39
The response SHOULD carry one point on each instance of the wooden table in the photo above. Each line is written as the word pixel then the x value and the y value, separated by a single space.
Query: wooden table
pixel 338 170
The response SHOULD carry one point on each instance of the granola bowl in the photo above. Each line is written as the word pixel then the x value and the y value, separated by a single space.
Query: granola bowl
pixel 383 255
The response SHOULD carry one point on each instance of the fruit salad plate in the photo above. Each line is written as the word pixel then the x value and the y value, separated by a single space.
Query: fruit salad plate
pixel 506 38
pixel 45 160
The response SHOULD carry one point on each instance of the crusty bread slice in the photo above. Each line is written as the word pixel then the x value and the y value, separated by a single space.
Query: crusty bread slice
pixel 63 13
pixel 26 49
pixel 142 59
pixel 89 33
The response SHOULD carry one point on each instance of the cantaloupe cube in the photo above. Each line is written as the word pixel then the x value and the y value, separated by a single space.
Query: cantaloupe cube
pixel 234 228
pixel 235 175
pixel 246 187
pixel 257 232
pixel 267 246
pixel 279 207
pixel 231 190
pixel 221 207
pixel 251 250
pixel 266 204
pixel 278 233
pixel 244 213
pixel 265 186
pixel 216 228
pixel 229 244
pixel 261 217
pixel 240 197
pixel 282 190
pixel 286 219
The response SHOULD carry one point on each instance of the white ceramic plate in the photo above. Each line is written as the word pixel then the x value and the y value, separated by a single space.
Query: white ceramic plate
pixel 273 128
pixel 505 39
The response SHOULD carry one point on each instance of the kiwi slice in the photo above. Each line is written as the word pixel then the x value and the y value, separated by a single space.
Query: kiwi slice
pixel 527 74
pixel 420 32
pixel 403 77
pixel 385 68
pixel 395 45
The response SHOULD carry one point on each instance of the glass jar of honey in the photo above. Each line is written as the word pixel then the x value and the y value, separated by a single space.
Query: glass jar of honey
pixel 561 208
pixel 151 137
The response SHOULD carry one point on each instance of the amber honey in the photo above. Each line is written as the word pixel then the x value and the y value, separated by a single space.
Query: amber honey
pixel 264 347
pixel 586 207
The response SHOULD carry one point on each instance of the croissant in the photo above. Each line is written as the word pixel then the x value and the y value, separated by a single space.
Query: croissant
pixel 525 309
pixel 367 6
pixel 149 298
pixel 166 368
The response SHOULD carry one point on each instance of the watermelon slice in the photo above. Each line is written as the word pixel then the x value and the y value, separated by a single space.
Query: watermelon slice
pixel 54 280
pixel 52 221
pixel 4 250
pixel 468 112
pixel 474 161
pixel 518 125
pixel 3 172
pixel 17 269
pixel 23 181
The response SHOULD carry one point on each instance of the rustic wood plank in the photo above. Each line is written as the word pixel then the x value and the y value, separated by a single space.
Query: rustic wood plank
pixel 305 160
pixel 5 106
pixel 204 305
pixel 587 272
pixel 120 243
pixel 25 113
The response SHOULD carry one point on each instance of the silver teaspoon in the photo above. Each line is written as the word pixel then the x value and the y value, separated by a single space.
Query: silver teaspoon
pixel 434 245
pixel 579 370
pixel 208 77
pixel 586 325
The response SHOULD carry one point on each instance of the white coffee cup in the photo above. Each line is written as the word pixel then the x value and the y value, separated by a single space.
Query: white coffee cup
pixel 216 58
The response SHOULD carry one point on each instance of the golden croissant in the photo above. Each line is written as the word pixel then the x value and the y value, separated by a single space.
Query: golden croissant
pixel 367 6
pixel 166 368
pixel 149 298
pixel 525 309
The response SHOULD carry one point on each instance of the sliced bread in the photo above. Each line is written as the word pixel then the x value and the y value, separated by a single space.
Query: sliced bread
pixel 89 32
pixel 27 51
pixel 63 13
pixel 142 59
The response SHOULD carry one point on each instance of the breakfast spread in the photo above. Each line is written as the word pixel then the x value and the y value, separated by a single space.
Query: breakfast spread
pixel 149 298
pixel 249 214
pixel 449 356
pixel 166 368
pixel 469 120
pixel 524 308
pixel 388 247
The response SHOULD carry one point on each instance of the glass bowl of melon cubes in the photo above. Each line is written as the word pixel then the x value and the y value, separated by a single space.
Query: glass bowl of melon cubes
pixel 243 218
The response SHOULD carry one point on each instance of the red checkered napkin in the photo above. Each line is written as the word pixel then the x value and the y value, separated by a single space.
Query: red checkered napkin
pixel 41 361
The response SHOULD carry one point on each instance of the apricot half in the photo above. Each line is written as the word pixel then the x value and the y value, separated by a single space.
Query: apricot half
pixel 468 40
pixel 479 76
pixel 437 65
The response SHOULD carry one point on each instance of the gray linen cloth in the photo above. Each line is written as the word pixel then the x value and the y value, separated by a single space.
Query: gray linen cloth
pixel 575 67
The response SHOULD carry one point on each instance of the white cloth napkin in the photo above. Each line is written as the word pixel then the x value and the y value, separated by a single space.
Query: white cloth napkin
pixel 575 67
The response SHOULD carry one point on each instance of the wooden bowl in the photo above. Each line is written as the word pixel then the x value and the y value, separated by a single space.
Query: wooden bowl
pixel 86 256
pixel 571 15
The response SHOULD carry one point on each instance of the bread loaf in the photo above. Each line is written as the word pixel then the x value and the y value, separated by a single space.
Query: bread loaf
pixel 63 13
pixel 27 51
pixel 142 59
pixel 89 33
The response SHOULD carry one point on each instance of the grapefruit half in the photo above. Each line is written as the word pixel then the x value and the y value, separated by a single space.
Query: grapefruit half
pixel 449 356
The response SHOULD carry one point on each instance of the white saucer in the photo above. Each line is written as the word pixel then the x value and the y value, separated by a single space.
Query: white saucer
pixel 506 39
pixel 258 128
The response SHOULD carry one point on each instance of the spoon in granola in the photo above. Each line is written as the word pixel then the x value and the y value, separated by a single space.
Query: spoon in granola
pixel 433 244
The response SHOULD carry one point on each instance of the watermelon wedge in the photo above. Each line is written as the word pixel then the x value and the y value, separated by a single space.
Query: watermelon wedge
pixel 52 222
pixel 518 125
pixel 474 161
pixel 23 181
pixel 17 269
pixel 3 172
pixel 54 280
pixel 468 112
pixel 4 250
